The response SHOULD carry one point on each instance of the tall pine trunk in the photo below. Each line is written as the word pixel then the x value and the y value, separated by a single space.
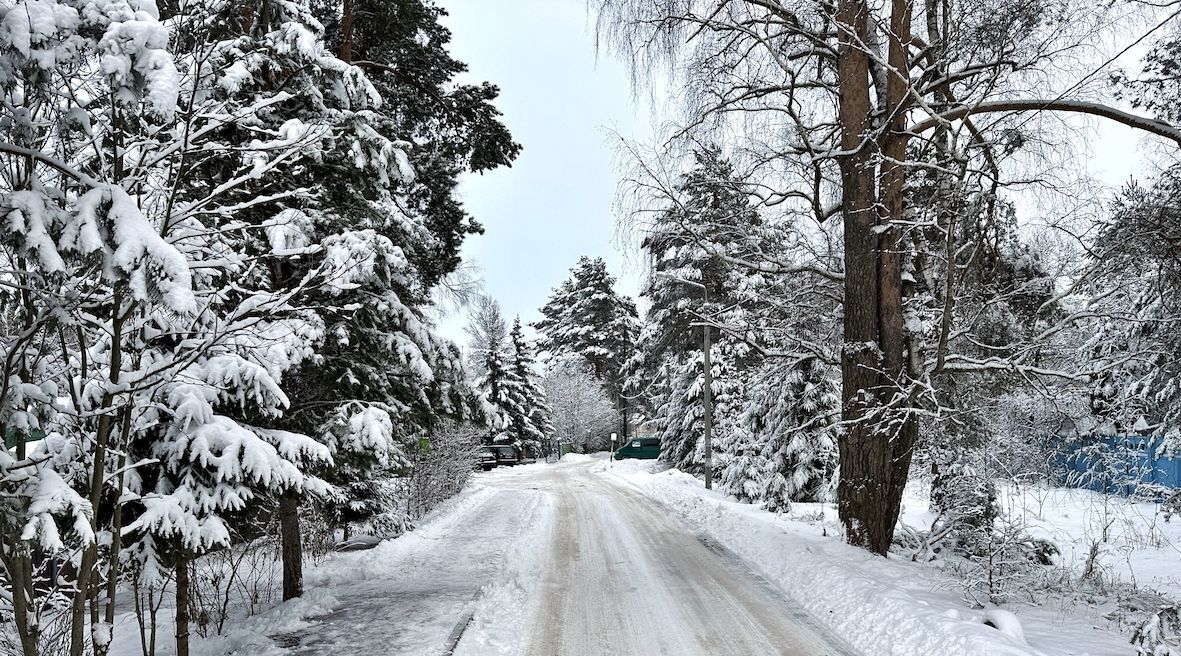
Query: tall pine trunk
pixel 875 447
pixel 292 547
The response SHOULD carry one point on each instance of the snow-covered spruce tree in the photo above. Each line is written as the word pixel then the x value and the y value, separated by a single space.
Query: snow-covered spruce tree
pixel 380 378
pixel 790 426
pixel 504 395
pixel 680 415
pixel 709 215
pixel 536 423
pixel 586 317
pixel 86 90
pixel 203 438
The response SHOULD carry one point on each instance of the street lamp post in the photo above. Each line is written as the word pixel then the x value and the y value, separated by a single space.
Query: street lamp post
pixel 708 395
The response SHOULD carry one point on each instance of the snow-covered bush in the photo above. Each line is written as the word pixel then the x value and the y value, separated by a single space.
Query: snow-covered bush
pixel 240 579
pixel 1160 633
pixel 967 501
pixel 441 467
pixel 990 550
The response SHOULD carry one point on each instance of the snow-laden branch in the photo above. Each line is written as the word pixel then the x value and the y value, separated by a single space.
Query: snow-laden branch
pixel 1144 123
pixel 50 162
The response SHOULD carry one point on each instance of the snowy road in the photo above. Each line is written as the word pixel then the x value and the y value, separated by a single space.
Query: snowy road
pixel 551 560
pixel 627 578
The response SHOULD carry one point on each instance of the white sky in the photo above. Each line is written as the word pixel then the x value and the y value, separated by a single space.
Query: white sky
pixel 562 102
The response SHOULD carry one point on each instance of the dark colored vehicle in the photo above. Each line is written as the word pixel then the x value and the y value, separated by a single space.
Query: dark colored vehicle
pixel 506 455
pixel 641 448
pixel 487 458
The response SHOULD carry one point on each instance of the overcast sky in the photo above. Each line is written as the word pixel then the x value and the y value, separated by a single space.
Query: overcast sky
pixel 561 103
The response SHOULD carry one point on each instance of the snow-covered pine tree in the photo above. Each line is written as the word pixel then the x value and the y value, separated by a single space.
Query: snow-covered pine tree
pixel 712 216
pixel 504 394
pixel 403 49
pixel 792 422
pixel 1136 268
pixel 536 424
pixel 586 317
pixel 1136 282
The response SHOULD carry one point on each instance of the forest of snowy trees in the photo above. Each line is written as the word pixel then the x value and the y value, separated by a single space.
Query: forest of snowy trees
pixel 226 229
pixel 882 205
pixel 223 228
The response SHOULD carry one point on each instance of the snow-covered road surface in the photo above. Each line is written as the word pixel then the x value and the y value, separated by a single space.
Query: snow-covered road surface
pixel 545 560
pixel 408 595
pixel 625 577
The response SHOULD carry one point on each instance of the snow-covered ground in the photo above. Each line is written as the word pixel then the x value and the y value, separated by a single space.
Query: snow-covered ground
pixel 1135 542
pixel 411 595
pixel 880 606
pixel 591 557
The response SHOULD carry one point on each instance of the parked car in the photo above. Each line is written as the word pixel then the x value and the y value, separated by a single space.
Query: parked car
pixel 641 448
pixel 487 458
pixel 507 455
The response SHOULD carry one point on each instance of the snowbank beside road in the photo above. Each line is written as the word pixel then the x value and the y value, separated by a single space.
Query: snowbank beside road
pixel 879 606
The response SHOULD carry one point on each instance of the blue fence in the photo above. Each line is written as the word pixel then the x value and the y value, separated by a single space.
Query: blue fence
pixel 1131 465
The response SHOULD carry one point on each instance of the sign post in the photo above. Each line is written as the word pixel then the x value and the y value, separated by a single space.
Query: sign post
pixel 614 437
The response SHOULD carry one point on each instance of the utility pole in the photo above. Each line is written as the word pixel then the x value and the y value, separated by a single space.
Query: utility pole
pixel 707 398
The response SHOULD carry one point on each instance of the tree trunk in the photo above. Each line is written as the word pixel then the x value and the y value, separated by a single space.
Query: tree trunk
pixel 875 448
pixel 85 580
pixel 182 601
pixel 863 462
pixel 899 429
pixel 292 546
pixel 20 568
pixel 346 32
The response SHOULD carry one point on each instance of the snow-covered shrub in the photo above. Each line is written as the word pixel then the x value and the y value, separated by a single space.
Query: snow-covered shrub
pixel 967 501
pixel 1171 505
pixel 992 552
pixel 239 579
pixel 1160 634
pixel 1004 563
pixel 317 534
pixel 442 467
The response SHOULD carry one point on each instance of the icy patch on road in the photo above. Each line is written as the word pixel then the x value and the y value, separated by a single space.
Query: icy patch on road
pixel 879 606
